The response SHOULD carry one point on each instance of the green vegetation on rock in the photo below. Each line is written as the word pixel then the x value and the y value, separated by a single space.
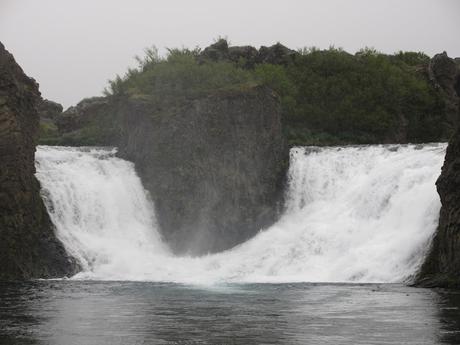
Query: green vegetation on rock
pixel 178 77
pixel 328 97
pixel 335 97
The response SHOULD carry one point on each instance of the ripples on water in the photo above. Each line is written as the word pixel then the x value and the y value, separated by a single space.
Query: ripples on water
pixel 125 313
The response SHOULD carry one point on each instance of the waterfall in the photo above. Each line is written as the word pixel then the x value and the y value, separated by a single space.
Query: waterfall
pixel 100 210
pixel 353 214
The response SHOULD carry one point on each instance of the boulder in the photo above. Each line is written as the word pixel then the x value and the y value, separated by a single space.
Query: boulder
pixel 215 52
pixel 277 54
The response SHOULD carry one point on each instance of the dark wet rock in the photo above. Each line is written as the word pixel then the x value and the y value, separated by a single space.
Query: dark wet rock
pixel 28 246
pixel 442 265
pixel 216 52
pixel 444 74
pixel 215 166
pixel 248 56
pixel 277 54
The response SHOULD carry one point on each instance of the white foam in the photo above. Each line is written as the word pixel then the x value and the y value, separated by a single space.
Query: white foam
pixel 354 214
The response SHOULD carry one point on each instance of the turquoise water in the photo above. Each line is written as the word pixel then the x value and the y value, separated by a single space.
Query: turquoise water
pixel 99 313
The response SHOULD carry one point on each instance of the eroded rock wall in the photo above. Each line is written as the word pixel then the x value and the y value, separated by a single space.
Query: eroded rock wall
pixel 442 265
pixel 215 166
pixel 28 246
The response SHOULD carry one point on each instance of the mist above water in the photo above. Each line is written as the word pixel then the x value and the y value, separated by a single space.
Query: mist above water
pixel 353 214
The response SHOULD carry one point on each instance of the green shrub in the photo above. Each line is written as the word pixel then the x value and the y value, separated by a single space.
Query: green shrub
pixel 179 76
pixel 327 96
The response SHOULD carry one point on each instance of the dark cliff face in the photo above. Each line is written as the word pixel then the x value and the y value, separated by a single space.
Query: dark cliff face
pixel 442 265
pixel 215 167
pixel 444 73
pixel 28 247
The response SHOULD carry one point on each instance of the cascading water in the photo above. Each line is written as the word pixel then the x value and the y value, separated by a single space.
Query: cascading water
pixel 101 211
pixel 353 214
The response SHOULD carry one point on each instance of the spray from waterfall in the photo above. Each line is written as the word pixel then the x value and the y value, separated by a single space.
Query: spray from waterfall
pixel 353 214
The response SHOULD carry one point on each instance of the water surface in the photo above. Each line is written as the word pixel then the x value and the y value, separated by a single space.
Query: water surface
pixel 125 313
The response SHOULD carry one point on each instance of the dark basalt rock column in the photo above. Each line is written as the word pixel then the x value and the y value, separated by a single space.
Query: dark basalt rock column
pixel 444 73
pixel 215 166
pixel 442 265
pixel 28 246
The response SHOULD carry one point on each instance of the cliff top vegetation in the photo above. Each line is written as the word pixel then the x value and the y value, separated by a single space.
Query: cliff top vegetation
pixel 328 97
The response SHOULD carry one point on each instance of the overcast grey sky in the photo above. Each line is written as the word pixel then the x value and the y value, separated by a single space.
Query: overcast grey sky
pixel 72 47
